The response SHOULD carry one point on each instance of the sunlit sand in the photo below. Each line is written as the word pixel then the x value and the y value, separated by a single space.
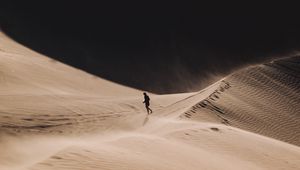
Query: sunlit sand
pixel 53 116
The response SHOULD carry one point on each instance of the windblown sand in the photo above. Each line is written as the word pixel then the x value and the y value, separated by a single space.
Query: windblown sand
pixel 53 116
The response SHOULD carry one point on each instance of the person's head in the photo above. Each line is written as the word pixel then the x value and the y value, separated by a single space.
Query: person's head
pixel 145 93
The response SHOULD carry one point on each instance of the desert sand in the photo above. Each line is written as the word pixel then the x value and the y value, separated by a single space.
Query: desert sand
pixel 53 116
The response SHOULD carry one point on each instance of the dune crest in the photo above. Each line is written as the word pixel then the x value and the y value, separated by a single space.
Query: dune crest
pixel 263 99
pixel 53 116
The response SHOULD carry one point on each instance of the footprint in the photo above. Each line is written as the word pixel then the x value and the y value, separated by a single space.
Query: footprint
pixel 56 157
pixel 28 119
pixel 215 129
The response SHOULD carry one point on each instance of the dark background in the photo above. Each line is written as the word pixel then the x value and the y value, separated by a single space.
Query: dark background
pixel 163 47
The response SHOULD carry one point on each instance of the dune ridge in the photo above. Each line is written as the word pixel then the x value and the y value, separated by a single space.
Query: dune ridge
pixel 53 116
pixel 263 99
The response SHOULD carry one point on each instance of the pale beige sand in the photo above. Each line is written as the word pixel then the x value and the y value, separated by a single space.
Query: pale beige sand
pixel 264 99
pixel 53 116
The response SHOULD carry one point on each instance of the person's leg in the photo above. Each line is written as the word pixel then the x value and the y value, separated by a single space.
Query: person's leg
pixel 150 109
pixel 147 108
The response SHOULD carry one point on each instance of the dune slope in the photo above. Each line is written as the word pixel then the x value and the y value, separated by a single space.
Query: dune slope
pixel 264 99
pixel 53 116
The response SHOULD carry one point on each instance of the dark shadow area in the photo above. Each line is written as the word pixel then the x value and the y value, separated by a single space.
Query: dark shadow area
pixel 162 48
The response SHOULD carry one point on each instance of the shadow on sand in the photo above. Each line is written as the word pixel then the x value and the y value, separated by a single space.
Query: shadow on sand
pixel 146 120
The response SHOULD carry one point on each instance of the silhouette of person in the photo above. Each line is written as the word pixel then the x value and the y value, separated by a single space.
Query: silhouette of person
pixel 147 103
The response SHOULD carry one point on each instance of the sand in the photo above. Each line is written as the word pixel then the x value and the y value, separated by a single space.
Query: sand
pixel 53 116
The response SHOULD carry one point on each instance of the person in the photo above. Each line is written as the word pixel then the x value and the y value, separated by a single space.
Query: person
pixel 147 103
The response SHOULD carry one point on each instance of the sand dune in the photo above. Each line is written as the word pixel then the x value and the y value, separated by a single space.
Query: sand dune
pixel 264 99
pixel 53 116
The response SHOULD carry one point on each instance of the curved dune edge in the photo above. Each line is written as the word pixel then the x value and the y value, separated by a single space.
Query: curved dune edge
pixel 263 99
pixel 53 116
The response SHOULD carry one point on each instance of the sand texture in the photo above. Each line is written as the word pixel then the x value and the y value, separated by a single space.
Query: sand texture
pixel 55 117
